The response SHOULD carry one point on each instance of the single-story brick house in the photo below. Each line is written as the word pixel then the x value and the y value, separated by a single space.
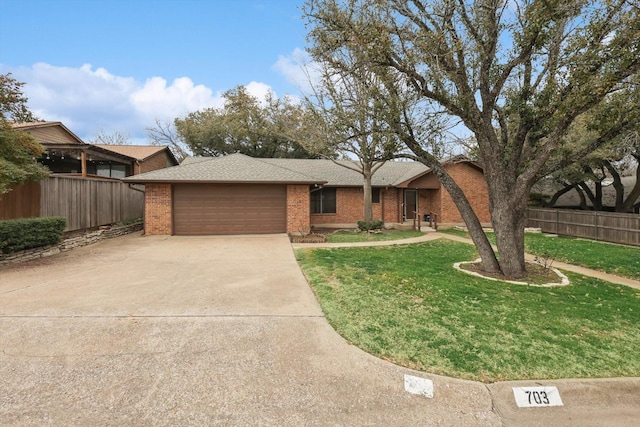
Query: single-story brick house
pixel 238 194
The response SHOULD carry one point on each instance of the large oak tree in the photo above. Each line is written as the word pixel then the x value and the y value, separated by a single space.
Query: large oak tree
pixel 515 73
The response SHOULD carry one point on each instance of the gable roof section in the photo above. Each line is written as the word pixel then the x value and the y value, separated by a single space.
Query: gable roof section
pixel 234 168
pixel 139 152
pixel 45 133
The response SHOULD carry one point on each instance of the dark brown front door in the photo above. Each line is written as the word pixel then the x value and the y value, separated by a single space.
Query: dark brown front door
pixel 202 209
pixel 410 203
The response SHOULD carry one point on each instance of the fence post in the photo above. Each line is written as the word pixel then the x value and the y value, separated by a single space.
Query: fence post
pixel 595 221
pixel 557 221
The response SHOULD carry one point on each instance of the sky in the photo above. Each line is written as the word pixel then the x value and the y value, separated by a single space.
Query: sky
pixel 107 66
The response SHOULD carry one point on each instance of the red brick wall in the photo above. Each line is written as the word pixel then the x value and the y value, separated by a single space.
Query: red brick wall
pixel 157 209
pixel 349 208
pixel 472 183
pixel 392 202
pixel 298 209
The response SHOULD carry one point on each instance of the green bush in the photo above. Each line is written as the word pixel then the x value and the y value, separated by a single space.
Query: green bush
pixel 27 233
pixel 370 225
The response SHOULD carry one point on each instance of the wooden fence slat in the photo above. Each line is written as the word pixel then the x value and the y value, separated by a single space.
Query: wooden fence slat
pixel 606 226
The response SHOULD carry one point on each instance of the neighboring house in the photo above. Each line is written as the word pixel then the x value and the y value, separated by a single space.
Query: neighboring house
pixel 66 153
pixel 237 194
pixel 85 186
pixel 147 157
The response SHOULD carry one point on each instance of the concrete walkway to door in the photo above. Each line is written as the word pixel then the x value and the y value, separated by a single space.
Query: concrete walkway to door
pixel 221 331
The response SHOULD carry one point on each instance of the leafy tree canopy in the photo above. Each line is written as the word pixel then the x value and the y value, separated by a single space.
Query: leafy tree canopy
pixel 18 150
pixel 244 125
pixel 13 103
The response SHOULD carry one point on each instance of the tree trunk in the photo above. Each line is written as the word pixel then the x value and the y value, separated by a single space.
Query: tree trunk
pixel 583 199
pixel 556 196
pixel 617 185
pixel 508 203
pixel 630 202
pixel 508 224
pixel 487 255
pixel 596 199
pixel 368 206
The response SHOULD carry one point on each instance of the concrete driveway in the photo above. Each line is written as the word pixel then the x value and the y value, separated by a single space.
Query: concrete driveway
pixel 208 331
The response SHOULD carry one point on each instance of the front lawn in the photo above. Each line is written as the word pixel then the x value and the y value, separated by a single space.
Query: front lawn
pixel 610 258
pixel 406 304
pixel 347 236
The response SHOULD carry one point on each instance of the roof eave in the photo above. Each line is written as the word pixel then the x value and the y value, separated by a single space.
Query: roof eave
pixel 132 180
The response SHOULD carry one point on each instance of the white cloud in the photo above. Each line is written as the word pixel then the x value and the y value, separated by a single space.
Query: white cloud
pixel 89 100
pixel 156 99
pixel 299 69
pixel 259 90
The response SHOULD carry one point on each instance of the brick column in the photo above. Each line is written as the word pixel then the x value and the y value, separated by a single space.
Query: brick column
pixel 298 209
pixel 158 210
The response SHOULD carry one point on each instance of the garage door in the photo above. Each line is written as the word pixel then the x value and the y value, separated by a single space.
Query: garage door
pixel 229 209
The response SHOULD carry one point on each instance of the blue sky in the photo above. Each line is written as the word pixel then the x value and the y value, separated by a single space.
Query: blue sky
pixel 117 65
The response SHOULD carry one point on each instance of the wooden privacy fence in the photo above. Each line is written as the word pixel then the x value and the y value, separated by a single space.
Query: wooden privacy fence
pixel 605 226
pixel 84 202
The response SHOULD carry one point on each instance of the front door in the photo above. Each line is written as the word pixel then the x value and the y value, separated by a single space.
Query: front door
pixel 410 203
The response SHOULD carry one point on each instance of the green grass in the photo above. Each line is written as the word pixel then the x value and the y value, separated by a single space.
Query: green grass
pixel 610 258
pixel 352 236
pixel 406 304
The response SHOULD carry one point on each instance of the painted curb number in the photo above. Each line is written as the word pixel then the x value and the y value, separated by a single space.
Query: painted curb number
pixel 535 397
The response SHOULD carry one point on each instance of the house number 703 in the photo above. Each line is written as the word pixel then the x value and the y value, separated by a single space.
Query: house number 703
pixel 539 397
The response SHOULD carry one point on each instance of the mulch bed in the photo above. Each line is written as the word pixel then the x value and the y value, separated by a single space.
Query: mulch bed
pixel 536 273
pixel 309 238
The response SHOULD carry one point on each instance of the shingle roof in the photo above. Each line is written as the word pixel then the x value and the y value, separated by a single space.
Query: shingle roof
pixel 138 152
pixel 22 125
pixel 232 168
pixel 241 168
pixel 340 174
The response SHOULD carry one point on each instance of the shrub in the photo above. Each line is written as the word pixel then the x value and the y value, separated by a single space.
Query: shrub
pixel 370 225
pixel 27 233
